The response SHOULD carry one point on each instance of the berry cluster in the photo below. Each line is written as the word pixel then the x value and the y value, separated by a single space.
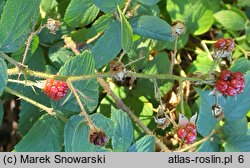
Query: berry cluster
pixel 224 47
pixel 55 89
pixel 224 44
pixel 230 83
pixel 187 133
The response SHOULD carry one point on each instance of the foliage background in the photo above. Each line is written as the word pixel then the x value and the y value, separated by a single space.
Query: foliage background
pixel 101 33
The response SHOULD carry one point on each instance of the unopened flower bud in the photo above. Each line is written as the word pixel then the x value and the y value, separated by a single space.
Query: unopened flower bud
pixel 224 48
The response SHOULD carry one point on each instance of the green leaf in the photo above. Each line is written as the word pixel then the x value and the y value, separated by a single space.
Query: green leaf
pixel 153 10
pixel 205 122
pixel 16 23
pixel 235 128
pixel 149 2
pixel 146 26
pixel 209 146
pixel 34 51
pixel 194 13
pixel 76 133
pixel 108 46
pixel 159 65
pixel 139 50
pixel 238 144
pixel 80 13
pixel 182 41
pixel 58 54
pixel 86 89
pixel 2 3
pixel 237 107
pixel 1 112
pixel 3 75
pixel 243 3
pixel 99 26
pixel 29 113
pixel 145 144
pixel 107 5
pixel 142 107
pixel 123 134
pixel 241 65
pixel 127 32
pixel 201 64
pixel 48 8
pixel 230 20
pixel 46 135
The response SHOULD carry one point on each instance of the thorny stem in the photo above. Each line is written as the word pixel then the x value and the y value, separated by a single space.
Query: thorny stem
pixel 181 96
pixel 29 40
pixel 158 98
pixel 120 104
pixel 126 6
pixel 197 143
pixel 29 72
pixel 71 44
pixel 26 82
pixel 134 61
pixel 41 106
pixel 83 111
pixel 170 77
pixel 81 44
pixel 12 61
pixel 246 53
pixel 121 56
pixel 173 55
pixel 204 46
pixel 216 62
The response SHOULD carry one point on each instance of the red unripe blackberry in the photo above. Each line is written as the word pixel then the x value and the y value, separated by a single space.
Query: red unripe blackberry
pixel 225 74
pixel 181 133
pixel 230 83
pixel 238 75
pixel 231 91
pixel 191 127
pixel 220 44
pixel 221 85
pixel 190 138
pixel 55 89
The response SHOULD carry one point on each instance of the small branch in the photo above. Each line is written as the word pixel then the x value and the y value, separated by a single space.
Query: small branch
pixel 173 56
pixel 204 46
pixel 169 77
pixel 121 56
pixel 134 61
pixel 29 72
pixel 71 44
pixel 26 82
pixel 12 61
pixel 12 71
pixel 125 108
pixel 181 96
pixel 93 38
pixel 215 64
pixel 126 6
pixel 41 106
pixel 83 111
pixel 29 40
pixel 197 143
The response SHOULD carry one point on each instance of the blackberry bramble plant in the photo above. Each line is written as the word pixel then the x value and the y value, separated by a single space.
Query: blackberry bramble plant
pixel 124 76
